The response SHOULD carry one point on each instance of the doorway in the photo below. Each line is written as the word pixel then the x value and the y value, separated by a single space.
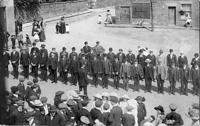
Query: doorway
pixel 172 15
pixel 125 15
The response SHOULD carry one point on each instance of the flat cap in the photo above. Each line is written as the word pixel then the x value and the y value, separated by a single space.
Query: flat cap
pixel 172 106
pixel 59 93
pixel 62 106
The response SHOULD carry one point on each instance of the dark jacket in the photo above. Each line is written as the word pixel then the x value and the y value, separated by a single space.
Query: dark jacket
pixel 152 58
pixel 178 121
pixel 95 66
pixel 63 64
pixel 184 74
pixel 105 118
pixel 21 89
pixel 115 116
pixel 56 121
pixel 73 66
pixel 137 72
pixel 141 112
pixel 35 59
pixel 96 114
pixel 111 57
pixel 17 118
pixel 53 62
pixel 24 60
pixel 141 60
pixel 171 60
pixel 82 78
pixel 6 58
pixel 195 62
pixel 116 68
pixel 128 120
pixel 130 58
pixel 84 112
pixel 34 49
pixel 181 61
pixel 73 54
pixel 173 74
pixel 43 57
pixel 149 73
pixel 121 57
pixel 106 66
pixel 15 57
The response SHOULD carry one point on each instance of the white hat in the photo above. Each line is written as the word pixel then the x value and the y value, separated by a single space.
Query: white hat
pixel 98 96
pixel 125 96
pixel 37 103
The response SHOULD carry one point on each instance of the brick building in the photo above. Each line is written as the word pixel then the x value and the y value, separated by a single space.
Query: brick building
pixel 163 12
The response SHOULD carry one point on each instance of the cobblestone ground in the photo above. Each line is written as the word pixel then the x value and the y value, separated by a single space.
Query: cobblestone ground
pixel 125 38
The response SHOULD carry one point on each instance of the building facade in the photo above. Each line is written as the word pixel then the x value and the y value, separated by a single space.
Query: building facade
pixel 7 20
pixel 162 12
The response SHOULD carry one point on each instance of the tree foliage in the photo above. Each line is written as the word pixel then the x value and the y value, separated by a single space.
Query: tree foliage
pixel 27 8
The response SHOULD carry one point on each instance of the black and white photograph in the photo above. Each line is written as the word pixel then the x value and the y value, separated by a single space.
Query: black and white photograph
pixel 99 63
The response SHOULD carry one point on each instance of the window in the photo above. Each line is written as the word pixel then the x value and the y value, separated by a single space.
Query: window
pixel 187 8
pixel 141 10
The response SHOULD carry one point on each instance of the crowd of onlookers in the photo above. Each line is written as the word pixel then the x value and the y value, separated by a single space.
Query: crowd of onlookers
pixel 26 106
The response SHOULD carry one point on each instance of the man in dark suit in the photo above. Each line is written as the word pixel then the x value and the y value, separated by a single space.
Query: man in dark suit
pixel 24 61
pixel 15 62
pixel 106 71
pixel 130 57
pixel 83 80
pixel 195 60
pixel 34 58
pixel 116 72
pixel 73 53
pixel 6 58
pixel 49 64
pixel 43 62
pixel 86 50
pixel 182 59
pixel 172 76
pixel 34 48
pixel 73 67
pixel 63 53
pixel 184 77
pixel 53 64
pixel 63 68
pixel 148 75
pixel 94 67
pixel 111 57
pixel 171 59
pixel 195 73
pixel 141 58
pixel 53 119
pixel 121 56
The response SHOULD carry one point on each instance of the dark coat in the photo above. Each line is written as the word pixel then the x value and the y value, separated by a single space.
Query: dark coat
pixel 73 66
pixel 35 59
pixel 63 64
pixel 173 74
pixel 141 60
pixel 152 58
pixel 128 120
pixel 24 60
pixel 63 53
pixel 130 58
pixel 6 58
pixel 125 70
pixel 105 118
pixel 57 120
pixel 178 121
pixel 53 62
pixel 195 75
pixel 115 116
pixel 111 57
pixel 182 61
pixel 121 57
pixel 141 112
pixel 43 57
pixel 73 54
pixel 149 73
pixel 116 68
pixel 184 74
pixel 82 78
pixel 106 66
pixel 171 60
pixel 86 49
pixel 17 118
pixel 96 114
pixel 34 49
pixel 137 72
pixel 95 66
pixel 195 62
pixel 15 57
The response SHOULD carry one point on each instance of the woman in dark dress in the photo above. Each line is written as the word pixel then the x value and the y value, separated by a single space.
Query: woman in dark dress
pixel 42 32
pixel 62 26
pixel 35 23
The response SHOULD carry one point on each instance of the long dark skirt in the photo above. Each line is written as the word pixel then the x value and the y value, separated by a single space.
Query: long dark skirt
pixel 62 28
pixel 42 36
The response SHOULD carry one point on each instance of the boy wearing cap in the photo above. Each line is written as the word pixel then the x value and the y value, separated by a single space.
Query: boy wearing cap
pixel 116 72
pixel 171 59
pixel 182 59
pixel 34 60
pixel 148 75
pixel 195 60
pixel 173 118
pixel 43 62
pixel 24 61
pixel 98 49
pixel 86 49
pixel 73 53
pixel 6 58
pixel 121 56
pixel 34 48
pixel 141 58
pixel 137 74
pixel 83 80
pixel 15 62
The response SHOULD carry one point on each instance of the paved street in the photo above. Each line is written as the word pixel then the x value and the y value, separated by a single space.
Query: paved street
pixel 125 38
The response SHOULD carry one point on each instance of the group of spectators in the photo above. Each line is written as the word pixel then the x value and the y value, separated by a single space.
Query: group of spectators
pixel 26 106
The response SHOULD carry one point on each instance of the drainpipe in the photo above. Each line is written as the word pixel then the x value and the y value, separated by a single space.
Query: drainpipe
pixel 152 25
